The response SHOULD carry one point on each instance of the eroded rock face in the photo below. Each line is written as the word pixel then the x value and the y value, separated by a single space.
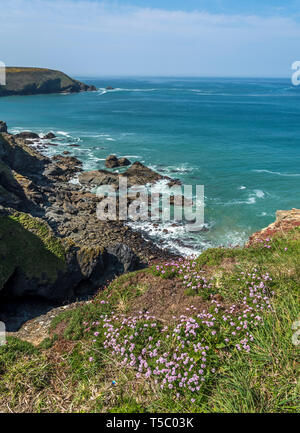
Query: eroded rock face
pixel 40 264
pixel 3 126
pixel 286 220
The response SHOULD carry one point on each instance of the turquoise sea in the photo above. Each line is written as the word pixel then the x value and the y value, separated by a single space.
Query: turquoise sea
pixel 240 138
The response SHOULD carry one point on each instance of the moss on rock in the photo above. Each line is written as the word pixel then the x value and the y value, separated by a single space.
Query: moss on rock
pixel 28 244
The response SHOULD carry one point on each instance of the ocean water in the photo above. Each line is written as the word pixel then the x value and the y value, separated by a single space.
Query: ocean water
pixel 240 138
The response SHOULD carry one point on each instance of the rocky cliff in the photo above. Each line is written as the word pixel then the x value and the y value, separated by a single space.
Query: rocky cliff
pixel 286 220
pixel 52 244
pixel 32 81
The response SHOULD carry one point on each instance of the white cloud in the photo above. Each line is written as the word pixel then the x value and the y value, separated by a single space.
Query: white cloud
pixel 92 37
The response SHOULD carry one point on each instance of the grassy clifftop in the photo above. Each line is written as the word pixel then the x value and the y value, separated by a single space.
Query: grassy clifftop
pixel 213 334
pixel 31 81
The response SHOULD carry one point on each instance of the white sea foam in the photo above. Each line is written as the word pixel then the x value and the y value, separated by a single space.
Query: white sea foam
pixel 174 237
pixel 259 193
pixel 234 238
pixel 250 200
pixel 172 169
pixel 103 91
pixel 277 173
pixel 15 130
pixel 202 92
pixel 63 133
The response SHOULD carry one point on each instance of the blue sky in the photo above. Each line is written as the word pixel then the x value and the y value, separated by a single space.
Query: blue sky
pixel 153 37
pixel 260 7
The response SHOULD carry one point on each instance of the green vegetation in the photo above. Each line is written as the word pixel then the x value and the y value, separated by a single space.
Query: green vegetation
pixel 30 81
pixel 81 367
pixel 28 244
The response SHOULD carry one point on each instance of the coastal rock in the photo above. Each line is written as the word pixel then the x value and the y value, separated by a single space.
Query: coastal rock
pixel 68 166
pixel 139 174
pixel 53 170
pixel 123 162
pixel 11 193
pixel 285 221
pixel 52 244
pixel 49 136
pixel 3 126
pixel 111 161
pixel 123 258
pixel 98 177
pixel 49 267
pixel 27 135
pixel 18 156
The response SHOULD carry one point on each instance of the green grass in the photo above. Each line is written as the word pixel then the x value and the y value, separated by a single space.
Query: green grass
pixel 265 380
pixel 119 294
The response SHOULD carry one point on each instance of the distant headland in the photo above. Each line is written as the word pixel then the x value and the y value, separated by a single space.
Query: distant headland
pixel 33 81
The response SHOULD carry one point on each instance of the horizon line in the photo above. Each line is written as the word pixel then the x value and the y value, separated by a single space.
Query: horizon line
pixel 181 76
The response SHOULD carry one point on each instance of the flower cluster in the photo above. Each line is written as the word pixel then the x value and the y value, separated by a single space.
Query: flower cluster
pixel 187 271
pixel 183 356
pixel 157 351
